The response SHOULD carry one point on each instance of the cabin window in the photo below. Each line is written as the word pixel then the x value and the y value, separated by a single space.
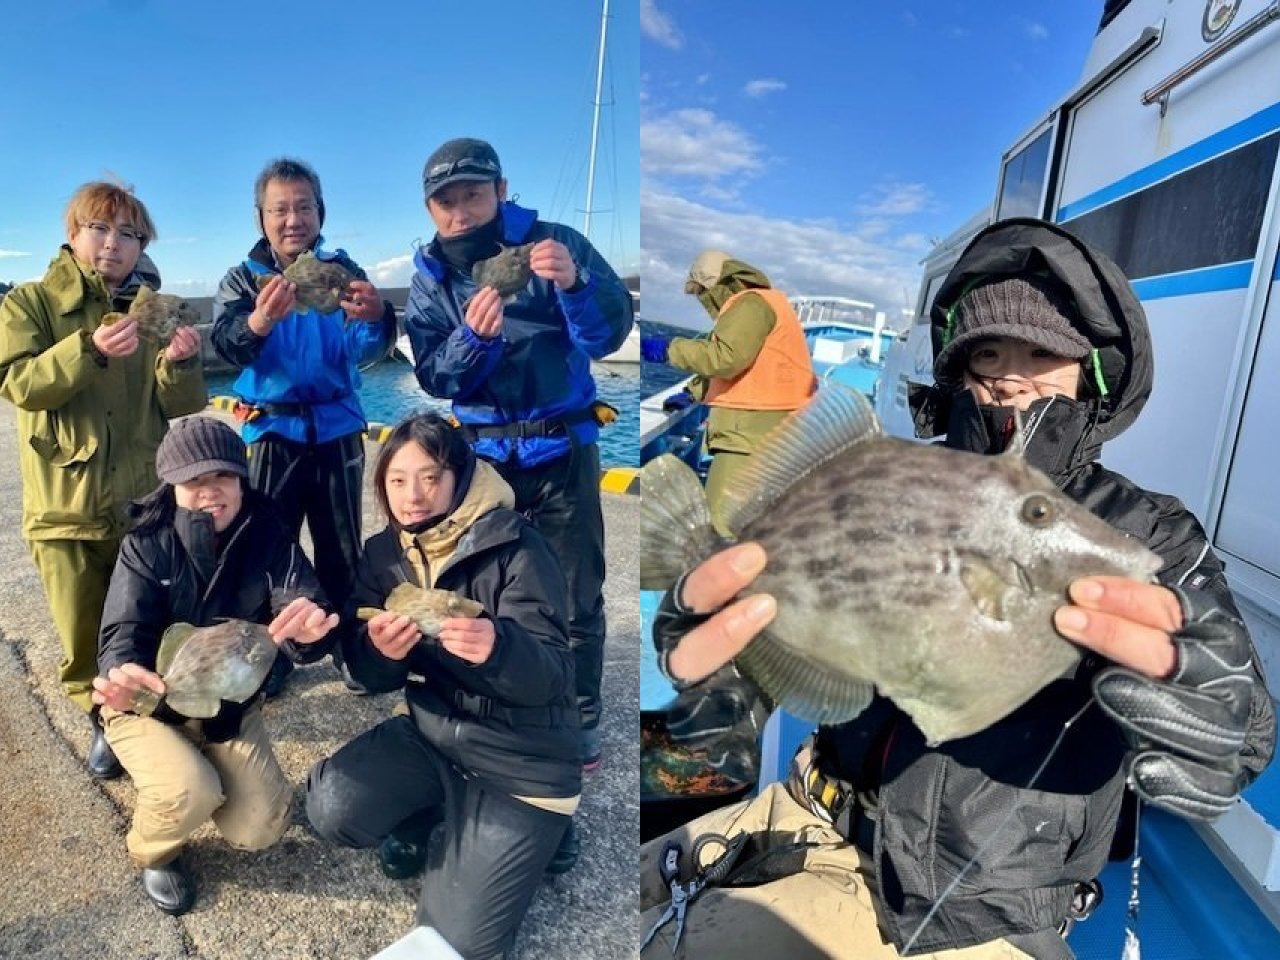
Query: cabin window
pixel 1022 183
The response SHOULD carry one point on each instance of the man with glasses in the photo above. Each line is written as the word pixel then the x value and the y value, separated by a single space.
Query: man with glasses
pixel 518 370
pixel 299 409
pixel 94 400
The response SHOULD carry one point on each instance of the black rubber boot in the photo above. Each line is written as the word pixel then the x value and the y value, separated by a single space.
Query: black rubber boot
pixel 102 762
pixel 403 852
pixel 280 671
pixel 170 887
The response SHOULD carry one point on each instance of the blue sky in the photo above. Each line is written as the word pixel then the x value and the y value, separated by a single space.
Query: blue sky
pixel 828 142
pixel 187 102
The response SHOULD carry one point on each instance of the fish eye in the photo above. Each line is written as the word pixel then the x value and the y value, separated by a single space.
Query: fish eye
pixel 1037 510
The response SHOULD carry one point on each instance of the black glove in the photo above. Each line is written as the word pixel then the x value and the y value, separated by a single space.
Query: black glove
pixel 680 400
pixel 721 715
pixel 1187 732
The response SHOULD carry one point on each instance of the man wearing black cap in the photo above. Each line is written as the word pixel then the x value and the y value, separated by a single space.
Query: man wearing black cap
pixel 519 371
pixel 299 409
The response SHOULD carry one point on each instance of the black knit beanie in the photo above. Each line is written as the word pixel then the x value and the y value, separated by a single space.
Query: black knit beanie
pixel 1027 308
pixel 200 445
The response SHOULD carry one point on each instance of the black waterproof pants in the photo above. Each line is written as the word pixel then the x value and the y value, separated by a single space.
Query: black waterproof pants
pixel 480 880
pixel 322 484
pixel 562 498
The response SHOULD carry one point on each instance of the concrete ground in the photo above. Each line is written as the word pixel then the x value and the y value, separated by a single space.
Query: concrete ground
pixel 67 890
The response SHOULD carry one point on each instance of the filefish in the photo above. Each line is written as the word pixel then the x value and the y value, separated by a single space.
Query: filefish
pixel 158 315
pixel 428 608
pixel 321 283
pixel 508 272
pixel 928 574
pixel 202 666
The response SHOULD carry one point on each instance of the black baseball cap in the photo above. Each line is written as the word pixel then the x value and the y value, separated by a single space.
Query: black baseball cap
pixel 460 160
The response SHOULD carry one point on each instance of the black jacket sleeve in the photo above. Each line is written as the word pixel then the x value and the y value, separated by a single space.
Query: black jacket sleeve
pixel 136 611
pixel 233 340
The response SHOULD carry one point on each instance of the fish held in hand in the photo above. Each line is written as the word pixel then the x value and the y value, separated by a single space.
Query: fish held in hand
pixel 202 666
pixel 158 315
pixel 928 574
pixel 428 608
pixel 508 272
pixel 321 284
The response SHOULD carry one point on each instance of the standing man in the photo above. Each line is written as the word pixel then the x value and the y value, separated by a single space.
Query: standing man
pixel 752 371
pixel 519 373
pixel 299 409
pixel 94 401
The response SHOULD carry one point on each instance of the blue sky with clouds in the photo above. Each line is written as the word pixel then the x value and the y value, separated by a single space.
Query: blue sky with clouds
pixel 827 141
pixel 187 101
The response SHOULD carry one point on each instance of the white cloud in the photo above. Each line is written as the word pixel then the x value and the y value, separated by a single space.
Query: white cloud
pixel 799 257
pixel 1037 31
pixel 658 26
pixel 396 272
pixel 696 143
pixel 703 78
pixel 895 200
pixel 759 88
pixel 6 254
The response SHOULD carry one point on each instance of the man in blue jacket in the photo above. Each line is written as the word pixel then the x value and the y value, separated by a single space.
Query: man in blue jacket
pixel 299 407
pixel 519 372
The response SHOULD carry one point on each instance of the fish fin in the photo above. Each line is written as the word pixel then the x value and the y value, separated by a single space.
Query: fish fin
pixel 194 705
pixel 368 613
pixel 171 642
pixel 804 687
pixel 832 421
pixel 145 702
pixel 675 524
pixel 144 294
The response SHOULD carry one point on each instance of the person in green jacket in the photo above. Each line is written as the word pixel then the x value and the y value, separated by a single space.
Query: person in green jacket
pixel 94 400
pixel 752 370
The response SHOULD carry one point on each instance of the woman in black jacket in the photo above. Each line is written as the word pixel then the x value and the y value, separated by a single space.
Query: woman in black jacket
pixel 205 549
pixel 491 734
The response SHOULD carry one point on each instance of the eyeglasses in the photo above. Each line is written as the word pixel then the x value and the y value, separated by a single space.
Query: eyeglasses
pixel 301 210
pixel 102 231
pixel 442 170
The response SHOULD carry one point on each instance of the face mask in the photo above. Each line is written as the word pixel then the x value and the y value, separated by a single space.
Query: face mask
pixel 466 250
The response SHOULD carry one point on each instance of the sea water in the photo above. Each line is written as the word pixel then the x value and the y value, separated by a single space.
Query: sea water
pixel 389 392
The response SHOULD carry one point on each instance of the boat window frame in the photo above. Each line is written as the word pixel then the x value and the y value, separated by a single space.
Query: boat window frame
pixel 1047 131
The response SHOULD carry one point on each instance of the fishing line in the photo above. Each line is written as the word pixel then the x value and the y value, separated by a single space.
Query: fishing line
pixel 983 847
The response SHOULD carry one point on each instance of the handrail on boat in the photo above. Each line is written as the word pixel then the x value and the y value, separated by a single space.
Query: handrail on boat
pixel 1160 92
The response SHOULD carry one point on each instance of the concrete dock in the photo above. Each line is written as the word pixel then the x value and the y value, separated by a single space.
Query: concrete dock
pixel 67 890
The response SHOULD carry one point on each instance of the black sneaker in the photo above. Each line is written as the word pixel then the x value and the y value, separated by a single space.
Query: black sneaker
pixel 401 859
pixel 280 671
pixel 102 762
pixel 566 854
pixel 170 887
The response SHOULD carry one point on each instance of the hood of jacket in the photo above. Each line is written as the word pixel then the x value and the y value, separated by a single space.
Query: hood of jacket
pixel 1108 312
pixel 441 543
pixel 70 283
pixel 735 276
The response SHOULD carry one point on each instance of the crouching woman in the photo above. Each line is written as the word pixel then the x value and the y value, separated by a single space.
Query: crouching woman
pixel 490 744
pixel 204 548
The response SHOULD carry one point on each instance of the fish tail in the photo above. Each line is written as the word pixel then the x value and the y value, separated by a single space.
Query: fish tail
pixel 675 525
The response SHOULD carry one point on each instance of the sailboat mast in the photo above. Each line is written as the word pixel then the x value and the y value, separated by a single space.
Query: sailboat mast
pixel 595 121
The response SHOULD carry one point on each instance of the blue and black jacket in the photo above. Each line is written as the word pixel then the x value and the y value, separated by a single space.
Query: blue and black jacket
pixel 538 372
pixel 303 377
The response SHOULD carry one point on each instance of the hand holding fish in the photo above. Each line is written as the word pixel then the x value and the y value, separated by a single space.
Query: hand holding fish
pixel 551 260
pixel 302 621
pixel 119 688
pixel 363 302
pixel 1126 621
pixel 484 313
pixel 469 639
pixel 276 300
pixel 185 344
pixel 117 339
pixel 393 634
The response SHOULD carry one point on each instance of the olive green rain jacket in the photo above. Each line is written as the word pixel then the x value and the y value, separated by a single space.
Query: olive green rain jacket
pixel 87 429
pixel 733 345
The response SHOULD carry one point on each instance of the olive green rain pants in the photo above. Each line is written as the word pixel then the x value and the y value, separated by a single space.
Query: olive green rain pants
pixel 75 574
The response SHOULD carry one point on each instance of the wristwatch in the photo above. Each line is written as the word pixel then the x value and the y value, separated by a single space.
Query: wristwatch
pixel 580 280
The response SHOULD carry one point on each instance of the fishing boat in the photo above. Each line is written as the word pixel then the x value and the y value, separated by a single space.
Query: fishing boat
pixel 1164 156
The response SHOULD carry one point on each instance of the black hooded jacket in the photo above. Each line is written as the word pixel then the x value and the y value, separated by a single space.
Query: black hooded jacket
pixel 939 807
pixel 175 574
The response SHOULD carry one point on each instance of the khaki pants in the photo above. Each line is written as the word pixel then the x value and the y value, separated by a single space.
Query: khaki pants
pixel 75 574
pixel 183 780
pixel 822 911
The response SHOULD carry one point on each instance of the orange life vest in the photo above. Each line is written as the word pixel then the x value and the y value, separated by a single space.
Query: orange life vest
pixel 781 378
